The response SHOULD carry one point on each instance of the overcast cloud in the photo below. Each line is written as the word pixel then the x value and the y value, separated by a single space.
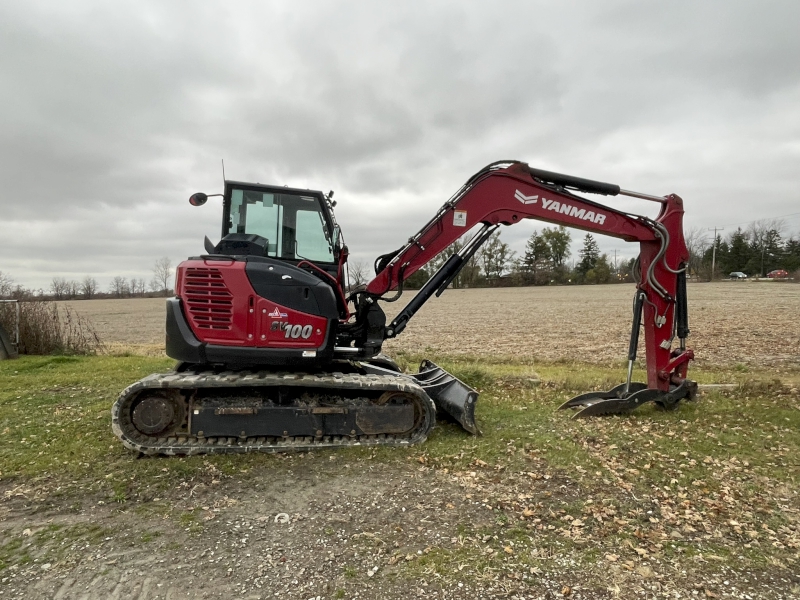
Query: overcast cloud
pixel 112 114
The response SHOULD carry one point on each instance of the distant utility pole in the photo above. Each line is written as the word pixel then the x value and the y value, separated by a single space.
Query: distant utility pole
pixel 714 251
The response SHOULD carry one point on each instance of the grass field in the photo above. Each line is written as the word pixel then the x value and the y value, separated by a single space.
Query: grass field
pixel 698 503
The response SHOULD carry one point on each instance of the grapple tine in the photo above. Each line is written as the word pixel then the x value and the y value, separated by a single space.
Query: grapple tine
pixel 604 407
pixel 614 402
pixel 585 399
pixel 617 406
pixel 590 398
pixel 582 400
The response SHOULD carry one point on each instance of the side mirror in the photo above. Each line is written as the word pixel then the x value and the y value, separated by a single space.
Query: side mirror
pixel 198 199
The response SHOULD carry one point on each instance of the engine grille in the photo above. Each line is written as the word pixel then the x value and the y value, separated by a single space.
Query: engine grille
pixel 209 303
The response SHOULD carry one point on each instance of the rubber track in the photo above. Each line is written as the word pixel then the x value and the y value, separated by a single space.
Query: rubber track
pixel 189 444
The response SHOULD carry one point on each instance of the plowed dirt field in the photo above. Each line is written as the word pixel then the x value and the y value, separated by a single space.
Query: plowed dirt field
pixel 752 323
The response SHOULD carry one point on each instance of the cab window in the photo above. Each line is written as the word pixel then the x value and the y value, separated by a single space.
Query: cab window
pixel 293 225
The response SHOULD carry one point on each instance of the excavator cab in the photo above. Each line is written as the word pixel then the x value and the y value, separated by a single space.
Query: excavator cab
pixel 281 223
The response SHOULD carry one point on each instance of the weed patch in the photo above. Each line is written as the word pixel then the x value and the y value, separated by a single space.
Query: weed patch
pixel 47 328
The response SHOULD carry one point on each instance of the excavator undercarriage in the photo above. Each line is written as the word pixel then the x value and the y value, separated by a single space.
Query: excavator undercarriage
pixel 200 411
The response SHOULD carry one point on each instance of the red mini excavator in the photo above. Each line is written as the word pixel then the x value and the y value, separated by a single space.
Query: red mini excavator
pixel 275 356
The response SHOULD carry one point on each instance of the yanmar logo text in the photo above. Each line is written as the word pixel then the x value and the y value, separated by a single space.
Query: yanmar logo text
pixel 563 208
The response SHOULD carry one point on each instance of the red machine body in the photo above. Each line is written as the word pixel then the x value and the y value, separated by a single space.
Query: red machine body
pixel 222 308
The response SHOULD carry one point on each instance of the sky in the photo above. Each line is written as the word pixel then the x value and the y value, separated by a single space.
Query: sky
pixel 113 114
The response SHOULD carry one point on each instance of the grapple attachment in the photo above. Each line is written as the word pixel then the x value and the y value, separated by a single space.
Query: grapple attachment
pixel 451 396
pixel 620 400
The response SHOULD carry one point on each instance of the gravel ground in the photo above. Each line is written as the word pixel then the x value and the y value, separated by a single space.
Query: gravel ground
pixel 344 526
pixel 301 533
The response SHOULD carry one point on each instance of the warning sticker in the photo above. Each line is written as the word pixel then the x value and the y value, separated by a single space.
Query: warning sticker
pixel 459 218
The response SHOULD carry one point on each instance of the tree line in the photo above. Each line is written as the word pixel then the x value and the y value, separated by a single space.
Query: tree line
pixel 87 288
pixel 756 251
pixel 545 261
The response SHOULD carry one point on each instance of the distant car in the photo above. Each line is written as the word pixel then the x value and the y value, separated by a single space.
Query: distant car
pixel 778 274
pixel 737 275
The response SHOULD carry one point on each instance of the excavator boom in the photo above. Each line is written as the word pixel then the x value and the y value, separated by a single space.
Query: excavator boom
pixel 504 193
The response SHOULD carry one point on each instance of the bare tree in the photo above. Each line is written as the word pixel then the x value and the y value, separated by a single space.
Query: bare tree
pixel 59 287
pixel 73 289
pixel 137 287
pixel 88 287
pixel 760 230
pixel 358 272
pixel 162 274
pixel 6 285
pixel 697 244
pixel 119 287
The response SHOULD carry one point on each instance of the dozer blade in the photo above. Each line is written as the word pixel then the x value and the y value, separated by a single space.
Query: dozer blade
pixel 451 396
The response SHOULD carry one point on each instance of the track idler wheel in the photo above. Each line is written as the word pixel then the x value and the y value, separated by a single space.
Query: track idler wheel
pixel 157 413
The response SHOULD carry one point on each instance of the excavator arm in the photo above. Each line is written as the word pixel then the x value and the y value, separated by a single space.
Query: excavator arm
pixel 498 195
pixel 509 191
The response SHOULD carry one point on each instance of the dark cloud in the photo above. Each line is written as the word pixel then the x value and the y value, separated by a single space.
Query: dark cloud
pixel 112 114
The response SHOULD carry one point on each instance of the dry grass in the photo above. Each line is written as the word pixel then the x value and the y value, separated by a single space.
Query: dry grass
pixel 47 328
pixel 733 323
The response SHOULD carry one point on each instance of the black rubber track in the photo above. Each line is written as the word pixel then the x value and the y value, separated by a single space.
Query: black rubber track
pixel 183 443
